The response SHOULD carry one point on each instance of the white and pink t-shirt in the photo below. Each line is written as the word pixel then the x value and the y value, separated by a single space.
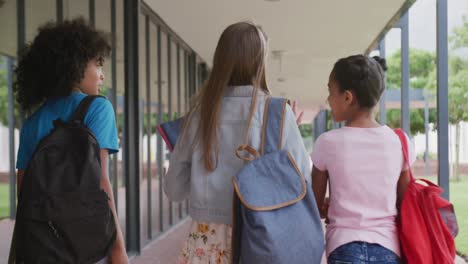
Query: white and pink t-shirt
pixel 364 165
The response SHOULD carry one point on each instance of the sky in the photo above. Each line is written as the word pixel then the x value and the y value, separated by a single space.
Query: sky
pixel 422 24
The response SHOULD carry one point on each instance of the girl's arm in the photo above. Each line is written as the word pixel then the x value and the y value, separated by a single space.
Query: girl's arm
pixel 402 185
pixel 176 181
pixel 293 143
pixel 405 177
pixel 319 186
pixel 118 253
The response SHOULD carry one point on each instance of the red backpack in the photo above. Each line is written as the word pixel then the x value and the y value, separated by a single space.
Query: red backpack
pixel 427 224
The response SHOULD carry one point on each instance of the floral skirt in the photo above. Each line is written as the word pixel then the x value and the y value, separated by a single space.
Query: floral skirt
pixel 207 243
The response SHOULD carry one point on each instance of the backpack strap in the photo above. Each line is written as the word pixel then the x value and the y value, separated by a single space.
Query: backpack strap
pixel 82 109
pixel 404 145
pixel 273 127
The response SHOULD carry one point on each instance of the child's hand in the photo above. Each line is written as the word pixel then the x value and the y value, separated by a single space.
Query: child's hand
pixel 324 210
pixel 298 116
pixel 119 256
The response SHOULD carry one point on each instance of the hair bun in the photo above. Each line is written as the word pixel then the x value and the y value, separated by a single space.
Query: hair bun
pixel 382 62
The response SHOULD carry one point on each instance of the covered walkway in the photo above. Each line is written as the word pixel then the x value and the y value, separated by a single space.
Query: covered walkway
pixel 162 54
pixel 163 250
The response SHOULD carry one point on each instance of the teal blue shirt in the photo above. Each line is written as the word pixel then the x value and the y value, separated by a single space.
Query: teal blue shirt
pixel 100 119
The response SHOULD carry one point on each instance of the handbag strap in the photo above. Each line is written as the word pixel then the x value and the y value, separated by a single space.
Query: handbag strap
pixel 404 145
pixel 273 130
pixel 245 145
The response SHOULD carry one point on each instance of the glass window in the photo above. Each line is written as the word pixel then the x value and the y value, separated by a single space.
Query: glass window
pixel 165 104
pixel 120 84
pixel 155 139
pixel 7 130
pixel 144 136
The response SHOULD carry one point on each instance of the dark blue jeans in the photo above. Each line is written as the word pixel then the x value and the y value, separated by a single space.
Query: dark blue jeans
pixel 362 253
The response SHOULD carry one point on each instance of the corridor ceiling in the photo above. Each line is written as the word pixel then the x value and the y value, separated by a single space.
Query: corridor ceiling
pixel 306 36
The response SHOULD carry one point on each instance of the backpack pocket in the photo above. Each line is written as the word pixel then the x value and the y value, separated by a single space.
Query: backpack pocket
pixel 270 182
pixel 72 227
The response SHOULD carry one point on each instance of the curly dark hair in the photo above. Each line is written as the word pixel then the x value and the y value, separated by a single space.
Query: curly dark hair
pixel 362 75
pixel 55 62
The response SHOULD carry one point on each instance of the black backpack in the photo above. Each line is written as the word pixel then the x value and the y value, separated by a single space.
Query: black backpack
pixel 63 214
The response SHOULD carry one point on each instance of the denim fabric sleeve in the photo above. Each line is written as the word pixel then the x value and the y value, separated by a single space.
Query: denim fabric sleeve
pixel 292 142
pixel 318 154
pixel 176 182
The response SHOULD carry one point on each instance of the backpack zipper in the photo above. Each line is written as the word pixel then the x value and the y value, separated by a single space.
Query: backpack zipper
pixel 51 225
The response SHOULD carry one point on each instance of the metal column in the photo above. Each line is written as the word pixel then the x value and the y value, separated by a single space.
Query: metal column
pixel 159 141
pixel 186 81
pixel 21 20
pixel 426 128
pixel 179 102
pixel 320 123
pixel 12 121
pixel 187 99
pixel 169 104
pixel 11 138
pixel 59 10
pixel 442 98
pixel 193 73
pixel 92 13
pixel 405 75
pixel 148 125
pixel 132 140
pixel 113 99
pixel 382 105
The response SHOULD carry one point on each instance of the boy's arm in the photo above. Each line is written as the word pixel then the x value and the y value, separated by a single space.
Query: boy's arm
pixel 319 186
pixel 118 253
pixel 19 181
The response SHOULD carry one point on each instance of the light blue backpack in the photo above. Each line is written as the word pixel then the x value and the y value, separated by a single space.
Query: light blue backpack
pixel 276 220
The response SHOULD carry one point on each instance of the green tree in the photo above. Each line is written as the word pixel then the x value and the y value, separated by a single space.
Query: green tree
pixel 306 130
pixel 458 87
pixel 3 94
pixel 4 97
pixel 422 70
pixel 459 36
pixel 458 110
pixel 422 66
pixel 154 121
pixel 417 124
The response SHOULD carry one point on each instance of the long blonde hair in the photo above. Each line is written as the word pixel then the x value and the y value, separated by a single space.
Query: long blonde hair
pixel 239 59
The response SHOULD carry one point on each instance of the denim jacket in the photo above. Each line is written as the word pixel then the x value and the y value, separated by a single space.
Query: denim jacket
pixel 211 193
